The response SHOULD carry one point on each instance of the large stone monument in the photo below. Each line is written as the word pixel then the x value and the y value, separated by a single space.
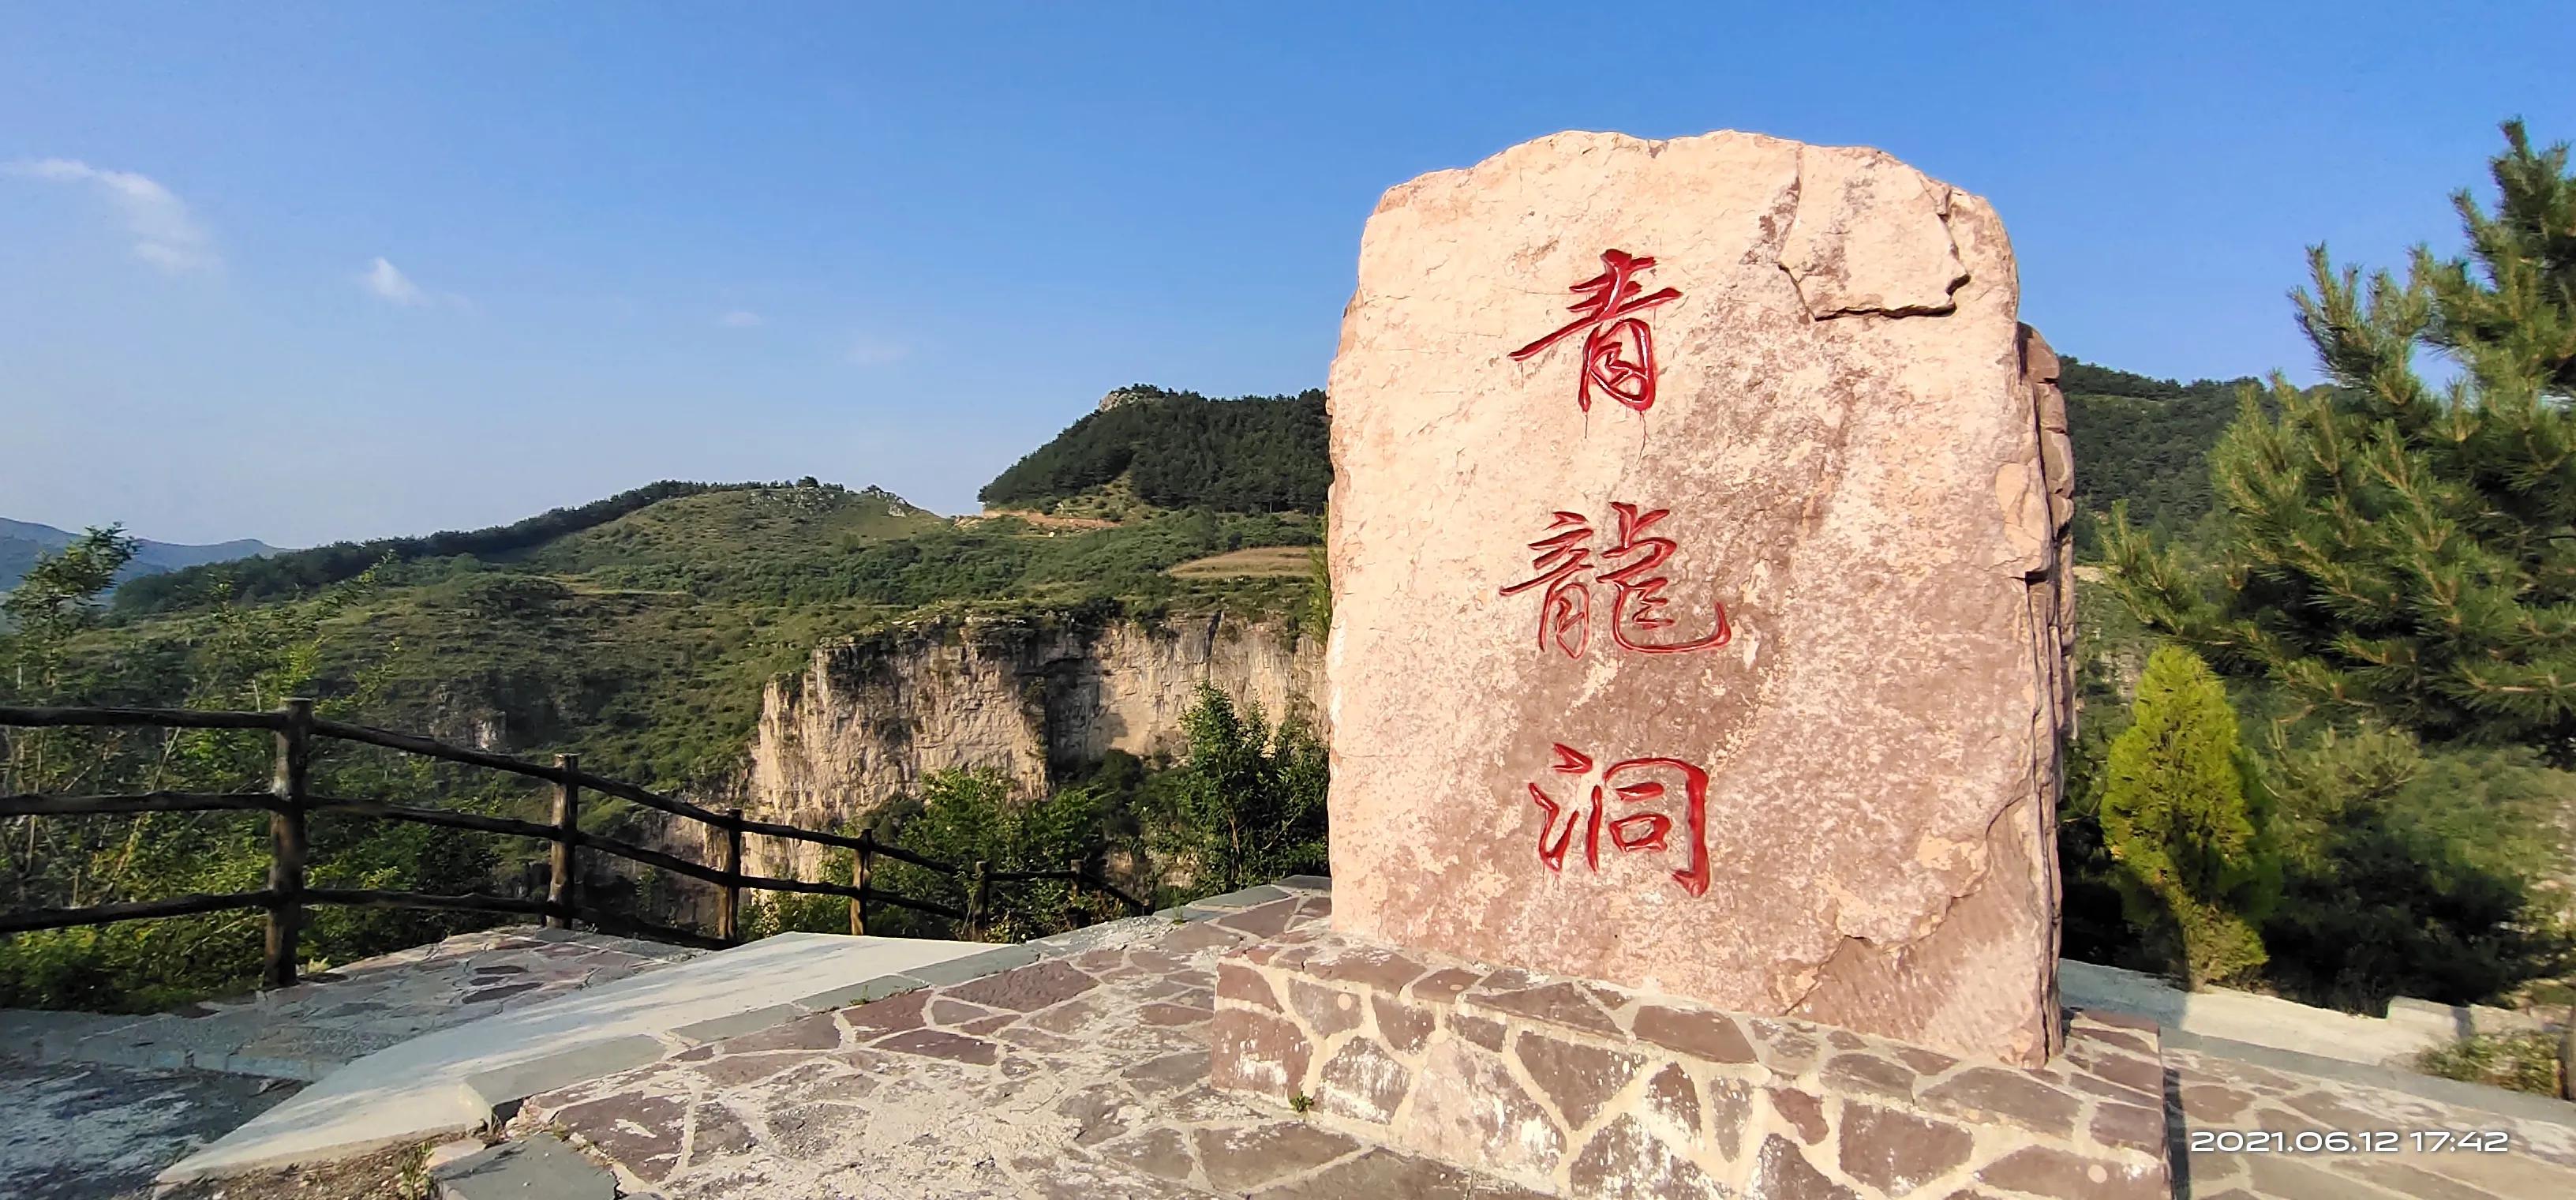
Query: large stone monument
pixel 1697 673
pixel 1698 611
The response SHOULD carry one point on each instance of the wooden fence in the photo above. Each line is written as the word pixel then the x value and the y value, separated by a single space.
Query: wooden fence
pixel 289 801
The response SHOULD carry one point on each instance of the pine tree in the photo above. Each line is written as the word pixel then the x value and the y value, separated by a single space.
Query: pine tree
pixel 2390 550
pixel 2192 857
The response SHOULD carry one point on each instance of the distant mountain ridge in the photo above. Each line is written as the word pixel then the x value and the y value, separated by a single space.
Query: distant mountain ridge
pixel 21 542
pixel 301 572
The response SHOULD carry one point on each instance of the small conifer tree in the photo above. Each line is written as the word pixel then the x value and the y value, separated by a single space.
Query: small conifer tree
pixel 2183 818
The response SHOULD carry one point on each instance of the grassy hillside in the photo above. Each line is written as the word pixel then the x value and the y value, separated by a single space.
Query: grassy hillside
pixel 303 572
pixel 643 640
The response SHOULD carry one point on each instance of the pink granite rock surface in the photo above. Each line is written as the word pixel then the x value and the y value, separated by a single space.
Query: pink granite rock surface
pixel 1861 460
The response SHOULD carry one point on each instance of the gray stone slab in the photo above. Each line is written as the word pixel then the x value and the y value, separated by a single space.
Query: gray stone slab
pixel 1120 932
pixel 2460 1020
pixel 858 993
pixel 264 1066
pixel 540 1167
pixel 143 1054
pixel 2524 1105
pixel 84 1131
pixel 44 1035
pixel 717 1029
pixel 1242 898
pixel 452 1079
pixel 975 966
pixel 573 1064
pixel 1308 883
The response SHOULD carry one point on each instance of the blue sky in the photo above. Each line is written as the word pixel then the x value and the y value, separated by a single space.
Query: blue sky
pixel 311 272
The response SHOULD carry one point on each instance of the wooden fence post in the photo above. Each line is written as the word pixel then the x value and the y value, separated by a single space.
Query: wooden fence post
pixel 286 842
pixel 559 880
pixel 2567 1056
pixel 979 893
pixel 859 903
pixel 729 908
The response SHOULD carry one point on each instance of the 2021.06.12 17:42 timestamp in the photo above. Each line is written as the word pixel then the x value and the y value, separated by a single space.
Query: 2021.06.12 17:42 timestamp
pixel 2339 1141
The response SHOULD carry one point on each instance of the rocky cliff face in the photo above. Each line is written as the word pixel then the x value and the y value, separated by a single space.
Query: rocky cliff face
pixel 871 716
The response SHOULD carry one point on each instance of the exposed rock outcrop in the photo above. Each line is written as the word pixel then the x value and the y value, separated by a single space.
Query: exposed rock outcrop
pixel 1031 698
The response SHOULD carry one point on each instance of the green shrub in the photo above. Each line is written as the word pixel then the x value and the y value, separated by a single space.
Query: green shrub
pixel 2410 873
pixel 966 817
pixel 1248 804
pixel 2194 865
pixel 2520 1062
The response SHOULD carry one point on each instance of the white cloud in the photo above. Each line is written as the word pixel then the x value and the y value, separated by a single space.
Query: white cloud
pixel 389 283
pixel 166 234
pixel 868 351
pixel 739 319
pixel 386 282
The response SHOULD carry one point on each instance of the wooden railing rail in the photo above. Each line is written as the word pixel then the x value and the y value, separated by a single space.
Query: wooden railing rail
pixel 130 910
pixel 33 805
pixel 168 718
pixel 289 802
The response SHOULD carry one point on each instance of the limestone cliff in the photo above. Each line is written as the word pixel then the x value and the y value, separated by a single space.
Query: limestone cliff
pixel 1030 698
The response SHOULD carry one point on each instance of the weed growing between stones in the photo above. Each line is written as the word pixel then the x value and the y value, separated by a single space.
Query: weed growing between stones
pixel 2522 1062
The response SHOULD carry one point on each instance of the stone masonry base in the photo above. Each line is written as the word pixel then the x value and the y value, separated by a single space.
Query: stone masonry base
pixel 1585 1090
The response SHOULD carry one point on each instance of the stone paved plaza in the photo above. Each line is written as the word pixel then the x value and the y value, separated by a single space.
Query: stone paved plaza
pixel 2209 1094
pixel 1083 1073
pixel 1086 1075
pixel 99 1103
pixel 330 1019
pixel 1078 1076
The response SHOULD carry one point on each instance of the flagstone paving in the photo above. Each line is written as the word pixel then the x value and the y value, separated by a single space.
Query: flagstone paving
pixel 2282 1126
pixel 1080 1074
pixel 97 1104
pixel 1085 1075
pixel 334 1017
pixel 1076 1076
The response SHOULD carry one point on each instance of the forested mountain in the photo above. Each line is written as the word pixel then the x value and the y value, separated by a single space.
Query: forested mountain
pixel 640 630
pixel 2137 438
pixel 2143 440
pixel 1182 450
pixel 22 541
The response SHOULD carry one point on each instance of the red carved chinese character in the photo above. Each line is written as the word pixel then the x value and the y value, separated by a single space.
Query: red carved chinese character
pixel 1648 592
pixel 1634 831
pixel 1565 609
pixel 1619 349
